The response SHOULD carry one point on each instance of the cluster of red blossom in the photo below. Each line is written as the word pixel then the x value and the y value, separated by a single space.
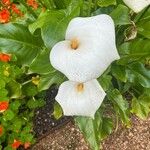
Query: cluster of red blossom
pixel 4 106
pixel 5 57
pixel 33 3
pixel 9 8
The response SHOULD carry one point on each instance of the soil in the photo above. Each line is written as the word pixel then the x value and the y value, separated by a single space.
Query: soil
pixel 44 121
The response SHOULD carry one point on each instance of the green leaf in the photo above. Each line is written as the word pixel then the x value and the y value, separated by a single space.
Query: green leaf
pixel 3 93
pixel 137 73
pixel 53 23
pixel 105 3
pixel 33 103
pixel 120 15
pixel 120 105
pixel 14 89
pixel 15 105
pixel 143 23
pixel 52 78
pixel 8 115
pixel 2 83
pixel 90 130
pixel 41 64
pixel 16 39
pixel 29 89
pixel 61 4
pixel 105 81
pixel 103 10
pixel 58 112
pixel 141 106
pixel 96 129
pixel 106 127
pixel 143 28
pixel 16 126
pixel 119 72
pixel 135 50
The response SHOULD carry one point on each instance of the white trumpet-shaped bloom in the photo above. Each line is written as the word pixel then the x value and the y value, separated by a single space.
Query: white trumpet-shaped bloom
pixel 80 99
pixel 137 5
pixel 88 49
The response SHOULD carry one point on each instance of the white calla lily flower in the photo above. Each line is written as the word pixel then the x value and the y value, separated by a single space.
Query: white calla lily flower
pixel 80 99
pixel 137 5
pixel 89 48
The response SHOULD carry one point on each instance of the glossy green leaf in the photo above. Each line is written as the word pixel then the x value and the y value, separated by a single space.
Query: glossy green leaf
pixel 52 78
pixel 15 105
pixel 16 126
pixel 137 73
pixel 53 23
pixel 119 72
pixel 105 3
pixel 143 28
pixel 16 39
pixel 2 83
pixel 58 112
pixel 14 89
pixel 33 103
pixel 29 89
pixel 41 64
pixel 120 105
pixel 141 106
pixel 105 81
pixel 95 129
pixel 106 127
pixel 143 23
pixel 61 4
pixel 8 115
pixel 120 15
pixel 134 51
pixel 89 128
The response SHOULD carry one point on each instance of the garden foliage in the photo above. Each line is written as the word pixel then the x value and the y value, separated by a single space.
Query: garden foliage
pixel 27 36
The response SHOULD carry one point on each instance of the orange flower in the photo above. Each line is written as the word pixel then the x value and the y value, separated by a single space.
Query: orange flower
pixel 27 145
pixel 4 57
pixel 32 3
pixel 16 144
pixel 3 106
pixel 4 16
pixel 16 10
pixel 6 2
pixel 1 130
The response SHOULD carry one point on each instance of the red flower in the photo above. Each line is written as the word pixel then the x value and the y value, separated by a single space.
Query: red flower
pixel 16 10
pixel 4 57
pixel 16 144
pixel 1 130
pixel 32 3
pixel 27 145
pixel 4 16
pixel 6 2
pixel 3 106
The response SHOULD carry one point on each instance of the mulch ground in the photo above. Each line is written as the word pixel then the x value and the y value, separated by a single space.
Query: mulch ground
pixel 70 138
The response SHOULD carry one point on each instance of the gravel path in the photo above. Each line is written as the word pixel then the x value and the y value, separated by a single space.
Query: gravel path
pixel 135 138
pixel 66 138
pixel 70 138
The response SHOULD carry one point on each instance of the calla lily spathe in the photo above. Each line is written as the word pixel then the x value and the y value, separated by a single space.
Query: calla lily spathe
pixel 137 5
pixel 89 48
pixel 80 99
